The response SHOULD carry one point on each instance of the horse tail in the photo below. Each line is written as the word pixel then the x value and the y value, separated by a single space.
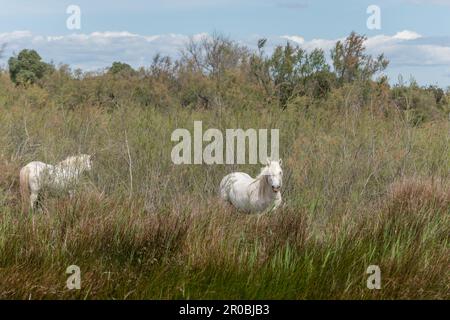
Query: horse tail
pixel 225 188
pixel 25 187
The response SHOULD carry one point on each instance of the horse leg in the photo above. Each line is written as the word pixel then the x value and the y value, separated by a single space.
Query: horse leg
pixel 33 200
pixel 229 206
pixel 40 201
pixel 277 204
pixel 271 209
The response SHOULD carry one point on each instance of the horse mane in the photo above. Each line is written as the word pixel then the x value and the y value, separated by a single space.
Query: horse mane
pixel 262 173
pixel 260 178
pixel 70 161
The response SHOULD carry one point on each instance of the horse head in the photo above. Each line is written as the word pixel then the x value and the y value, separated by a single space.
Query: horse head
pixel 274 174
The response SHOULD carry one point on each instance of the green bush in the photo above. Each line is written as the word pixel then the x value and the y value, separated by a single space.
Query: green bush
pixel 27 67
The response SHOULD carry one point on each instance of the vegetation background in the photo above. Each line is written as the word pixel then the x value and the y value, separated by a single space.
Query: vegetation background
pixel 366 178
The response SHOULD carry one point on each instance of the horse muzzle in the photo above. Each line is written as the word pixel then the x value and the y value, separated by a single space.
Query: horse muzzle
pixel 276 189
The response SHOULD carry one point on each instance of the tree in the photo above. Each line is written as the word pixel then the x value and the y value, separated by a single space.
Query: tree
pixel 121 68
pixel 2 48
pixel 351 63
pixel 213 55
pixel 438 93
pixel 291 71
pixel 27 67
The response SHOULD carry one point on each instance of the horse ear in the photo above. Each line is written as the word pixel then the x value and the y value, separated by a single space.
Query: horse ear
pixel 268 161
pixel 280 162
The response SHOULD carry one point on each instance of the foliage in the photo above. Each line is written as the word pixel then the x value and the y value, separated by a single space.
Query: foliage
pixel 121 68
pixel 27 67
pixel 215 72
pixel 292 71
pixel 351 63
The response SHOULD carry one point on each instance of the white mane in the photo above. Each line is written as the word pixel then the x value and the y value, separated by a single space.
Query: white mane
pixel 81 160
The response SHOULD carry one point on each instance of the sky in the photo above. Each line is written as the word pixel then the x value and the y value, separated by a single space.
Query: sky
pixel 414 34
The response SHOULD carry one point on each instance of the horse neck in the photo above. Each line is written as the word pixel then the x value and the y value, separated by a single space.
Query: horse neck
pixel 68 169
pixel 50 168
pixel 262 185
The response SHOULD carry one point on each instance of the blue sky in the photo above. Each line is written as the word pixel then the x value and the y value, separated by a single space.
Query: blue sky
pixel 415 34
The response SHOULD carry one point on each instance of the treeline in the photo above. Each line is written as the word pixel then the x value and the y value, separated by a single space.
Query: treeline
pixel 218 72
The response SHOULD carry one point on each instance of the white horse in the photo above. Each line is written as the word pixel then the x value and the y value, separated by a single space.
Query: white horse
pixel 261 194
pixel 37 176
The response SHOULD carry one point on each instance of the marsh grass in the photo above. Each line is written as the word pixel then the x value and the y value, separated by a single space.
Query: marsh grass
pixel 360 189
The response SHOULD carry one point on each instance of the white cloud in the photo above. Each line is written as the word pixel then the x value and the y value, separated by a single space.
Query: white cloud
pixel 296 39
pixel 403 48
pixel 96 50
pixel 409 53
pixel 14 36
pixel 407 35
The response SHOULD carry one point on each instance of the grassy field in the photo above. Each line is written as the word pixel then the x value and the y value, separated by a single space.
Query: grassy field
pixel 360 189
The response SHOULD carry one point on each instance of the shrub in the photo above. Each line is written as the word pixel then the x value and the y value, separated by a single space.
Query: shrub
pixel 27 67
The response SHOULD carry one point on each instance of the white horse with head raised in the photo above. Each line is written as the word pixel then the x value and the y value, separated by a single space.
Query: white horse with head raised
pixel 262 194
pixel 38 176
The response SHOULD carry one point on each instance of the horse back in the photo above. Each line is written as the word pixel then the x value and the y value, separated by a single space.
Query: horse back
pixel 233 182
pixel 235 177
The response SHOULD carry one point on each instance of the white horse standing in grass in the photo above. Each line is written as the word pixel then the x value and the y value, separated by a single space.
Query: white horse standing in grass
pixel 63 177
pixel 262 194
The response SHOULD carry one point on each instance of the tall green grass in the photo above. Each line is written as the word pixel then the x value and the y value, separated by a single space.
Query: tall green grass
pixel 359 189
